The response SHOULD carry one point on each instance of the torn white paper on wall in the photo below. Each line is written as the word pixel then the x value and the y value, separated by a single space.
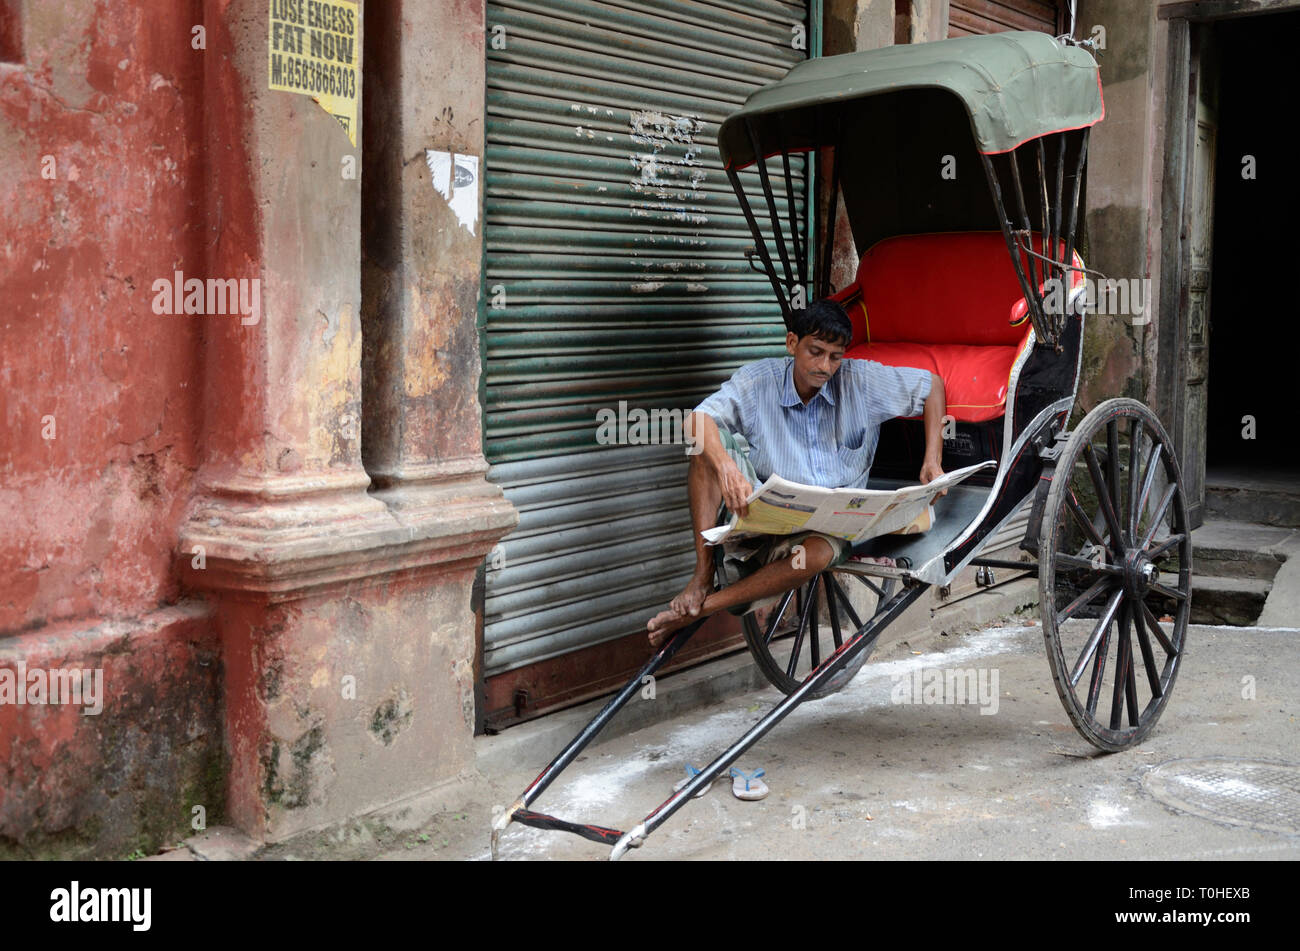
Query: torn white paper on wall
pixel 440 166
pixel 456 179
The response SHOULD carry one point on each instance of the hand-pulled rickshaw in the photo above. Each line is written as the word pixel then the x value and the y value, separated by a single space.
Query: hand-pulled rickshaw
pixel 960 165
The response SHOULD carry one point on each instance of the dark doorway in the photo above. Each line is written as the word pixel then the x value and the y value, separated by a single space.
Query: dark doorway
pixel 1253 370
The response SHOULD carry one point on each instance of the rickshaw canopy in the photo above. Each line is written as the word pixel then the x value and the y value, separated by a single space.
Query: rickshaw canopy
pixel 1013 87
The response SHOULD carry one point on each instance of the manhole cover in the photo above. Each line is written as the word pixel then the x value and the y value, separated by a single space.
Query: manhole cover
pixel 1244 793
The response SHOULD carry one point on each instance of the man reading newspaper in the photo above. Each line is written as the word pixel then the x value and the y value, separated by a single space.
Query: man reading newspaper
pixel 811 417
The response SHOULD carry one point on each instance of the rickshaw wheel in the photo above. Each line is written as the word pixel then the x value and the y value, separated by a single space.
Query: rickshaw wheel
pixel 1115 564
pixel 794 636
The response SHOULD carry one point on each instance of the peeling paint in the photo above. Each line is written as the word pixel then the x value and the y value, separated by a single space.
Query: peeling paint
pixel 657 128
pixel 667 213
pixel 667 168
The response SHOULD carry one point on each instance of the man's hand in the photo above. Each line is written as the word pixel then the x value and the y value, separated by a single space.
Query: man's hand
pixel 702 431
pixel 930 471
pixel 735 487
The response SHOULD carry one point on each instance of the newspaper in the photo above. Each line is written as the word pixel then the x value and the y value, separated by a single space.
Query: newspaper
pixel 781 507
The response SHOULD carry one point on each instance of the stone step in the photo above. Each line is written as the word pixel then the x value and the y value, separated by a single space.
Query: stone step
pixel 1263 498
pixel 1232 549
pixel 1235 601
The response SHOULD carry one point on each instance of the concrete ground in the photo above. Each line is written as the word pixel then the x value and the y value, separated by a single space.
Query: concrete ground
pixel 856 776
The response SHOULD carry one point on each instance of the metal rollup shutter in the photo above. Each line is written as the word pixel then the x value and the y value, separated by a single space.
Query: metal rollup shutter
pixel 974 17
pixel 614 271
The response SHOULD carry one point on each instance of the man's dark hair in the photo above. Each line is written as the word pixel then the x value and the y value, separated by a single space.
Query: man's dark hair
pixel 824 319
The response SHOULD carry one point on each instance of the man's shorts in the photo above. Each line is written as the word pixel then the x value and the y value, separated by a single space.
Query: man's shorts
pixel 744 556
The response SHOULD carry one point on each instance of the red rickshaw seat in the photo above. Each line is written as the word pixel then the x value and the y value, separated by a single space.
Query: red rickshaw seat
pixel 942 302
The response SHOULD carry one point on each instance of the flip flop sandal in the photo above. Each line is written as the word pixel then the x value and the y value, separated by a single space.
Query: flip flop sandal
pixel 748 786
pixel 691 773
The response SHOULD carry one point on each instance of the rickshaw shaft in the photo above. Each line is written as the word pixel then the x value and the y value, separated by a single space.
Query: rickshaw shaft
pixel 616 703
pixel 818 678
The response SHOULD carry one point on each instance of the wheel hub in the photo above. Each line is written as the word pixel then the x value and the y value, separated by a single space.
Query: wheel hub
pixel 1149 573
pixel 1139 573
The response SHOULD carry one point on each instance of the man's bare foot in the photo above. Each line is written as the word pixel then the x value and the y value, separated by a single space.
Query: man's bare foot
pixel 664 623
pixel 681 610
pixel 692 597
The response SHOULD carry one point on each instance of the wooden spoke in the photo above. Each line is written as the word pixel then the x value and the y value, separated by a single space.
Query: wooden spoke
pixel 1158 517
pixel 832 610
pixel 880 592
pixel 1134 453
pixel 1099 665
pixel 1153 625
pixel 1125 684
pixel 814 635
pixel 1112 470
pixel 1121 660
pixel 1144 645
pixel 848 606
pixel 1164 546
pixel 1103 497
pixel 776 618
pixel 1148 480
pixel 1072 505
pixel 808 608
pixel 1097 638
pixel 1130 677
pixel 1167 592
pixel 1086 598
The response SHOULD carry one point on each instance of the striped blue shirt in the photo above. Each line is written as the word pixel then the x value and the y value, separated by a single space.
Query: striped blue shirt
pixel 831 441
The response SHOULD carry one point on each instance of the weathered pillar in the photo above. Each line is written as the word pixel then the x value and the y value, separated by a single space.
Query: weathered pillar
pixel 1118 229
pixel 857 25
pixel 346 623
pixel 850 26
pixel 422 248
pixel 928 21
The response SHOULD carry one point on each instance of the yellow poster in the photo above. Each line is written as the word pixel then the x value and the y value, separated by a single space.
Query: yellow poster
pixel 315 50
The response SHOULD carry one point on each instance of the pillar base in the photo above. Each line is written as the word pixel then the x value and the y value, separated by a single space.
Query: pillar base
pixel 347 637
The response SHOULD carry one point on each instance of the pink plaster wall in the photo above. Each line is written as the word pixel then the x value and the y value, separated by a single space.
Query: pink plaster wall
pixel 110 90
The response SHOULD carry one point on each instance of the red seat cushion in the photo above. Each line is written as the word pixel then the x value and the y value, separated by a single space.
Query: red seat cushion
pixel 974 377
pixel 940 288
pixel 943 303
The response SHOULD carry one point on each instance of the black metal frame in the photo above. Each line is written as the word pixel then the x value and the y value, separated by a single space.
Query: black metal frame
pixel 622 841
pixel 1033 272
